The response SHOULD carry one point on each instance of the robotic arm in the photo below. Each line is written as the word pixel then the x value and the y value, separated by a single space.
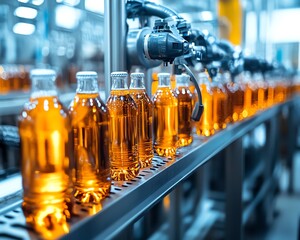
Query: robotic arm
pixel 170 41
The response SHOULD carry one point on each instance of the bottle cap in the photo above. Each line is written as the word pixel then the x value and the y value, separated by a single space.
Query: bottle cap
pixel 137 75
pixel 119 74
pixel 86 74
pixel 42 73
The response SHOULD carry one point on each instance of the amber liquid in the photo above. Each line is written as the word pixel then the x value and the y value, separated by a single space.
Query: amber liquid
pixel 90 119
pixel 219 108
pixel 230 91
pixel 271 91
pixel 261 98
pixel 254 99
pixel 165 122
pixel 205 126
pixel 185 101
pixel 238 102
pixel 145 127
pixel 266 92
pixel 45 133
pixel 4 85
pixel 280 93
pixel 123 135
pixel 248 111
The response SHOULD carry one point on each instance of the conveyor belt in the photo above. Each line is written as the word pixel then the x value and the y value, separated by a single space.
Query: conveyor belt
pixel 129 200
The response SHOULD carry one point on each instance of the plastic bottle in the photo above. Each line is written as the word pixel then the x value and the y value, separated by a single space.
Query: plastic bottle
pixel 45 132
pixel 165 121
pixel 205 126
pixel 238 100
pixel 123 130
pixel 219 103
pixel 144 120
pixel 185 108
pixel 90 120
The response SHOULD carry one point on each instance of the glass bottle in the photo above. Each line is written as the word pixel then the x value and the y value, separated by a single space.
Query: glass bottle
pixel 145 118
pixel 271 88
pixel 46 149
pixel 90 120
pixel 252 85
pixel 247 95
pixel 261 90
pixel 165 118
pixel 185 108
pixel 123 129
pixel 219 103
pixel 239 111
pixel 205 126
pixel 230 89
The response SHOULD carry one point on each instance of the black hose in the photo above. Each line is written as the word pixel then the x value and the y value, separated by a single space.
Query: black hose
pixel 153 9
pixel 198 109
pixel 138 8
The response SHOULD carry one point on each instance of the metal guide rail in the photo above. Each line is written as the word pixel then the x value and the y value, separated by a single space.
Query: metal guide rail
pixel 130 199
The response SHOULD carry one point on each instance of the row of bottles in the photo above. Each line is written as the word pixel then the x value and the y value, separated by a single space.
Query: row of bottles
pixel 226 101
pixel 14 78
pixel 72 154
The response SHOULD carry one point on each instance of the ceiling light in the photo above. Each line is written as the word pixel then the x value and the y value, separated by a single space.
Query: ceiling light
pixel 24 28
pixel 37 2
pixel 26 12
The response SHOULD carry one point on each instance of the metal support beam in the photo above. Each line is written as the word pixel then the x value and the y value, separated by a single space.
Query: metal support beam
pixel 234 183
pixel 175 218
pixel 114 39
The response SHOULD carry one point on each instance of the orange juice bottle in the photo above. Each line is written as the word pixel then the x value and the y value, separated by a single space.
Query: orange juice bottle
pixel 46 147
pixel 238 99
pixel 248 107
pixel 165 118
pixel 185 101
pixel 230 89
pixel 205 126
pixel 4 79
pixel 279 91
pixel 90 120
pixel 220 98
pixel 123 130
pixel 261 87
pixel 271 90
pixel 145 118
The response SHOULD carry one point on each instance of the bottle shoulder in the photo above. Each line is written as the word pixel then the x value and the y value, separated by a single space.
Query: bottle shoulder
pixel 88 101
pixel 141 97
pixel 120 102
pixel 45 109
pixel 183 92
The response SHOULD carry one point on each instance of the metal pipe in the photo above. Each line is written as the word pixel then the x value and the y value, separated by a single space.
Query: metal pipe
pixel 114 39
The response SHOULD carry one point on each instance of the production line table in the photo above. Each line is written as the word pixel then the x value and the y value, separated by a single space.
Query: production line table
pixel 129 200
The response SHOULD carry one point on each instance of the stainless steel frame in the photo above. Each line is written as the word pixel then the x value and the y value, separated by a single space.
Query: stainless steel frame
pixel 114 39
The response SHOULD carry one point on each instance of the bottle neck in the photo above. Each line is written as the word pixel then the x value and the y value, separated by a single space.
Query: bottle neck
pixel 182 83
pixel 119 83
pixel 137 83
pixel 87 85
pixel 164 82
pixel 42 87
